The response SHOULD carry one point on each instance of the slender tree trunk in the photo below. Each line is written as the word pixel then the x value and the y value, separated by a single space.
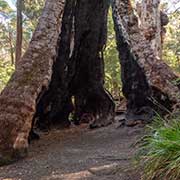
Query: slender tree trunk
pixel 11 47
pixel 19 31
pixel 149 72
pixel 33 74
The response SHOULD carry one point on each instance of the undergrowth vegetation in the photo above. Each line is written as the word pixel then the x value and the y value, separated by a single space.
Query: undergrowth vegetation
pixel 160 152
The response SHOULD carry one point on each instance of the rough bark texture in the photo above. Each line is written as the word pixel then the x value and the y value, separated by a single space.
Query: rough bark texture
pixel 135 86
pixel 90 37
pixel 55 105
pixel 158 74
pixel 33 73
pixel 79 70
pixel 150 24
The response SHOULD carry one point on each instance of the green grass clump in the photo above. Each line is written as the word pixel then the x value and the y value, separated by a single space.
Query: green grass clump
pixel 161 151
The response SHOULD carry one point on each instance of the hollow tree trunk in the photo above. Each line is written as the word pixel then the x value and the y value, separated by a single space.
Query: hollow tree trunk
pixel 91 99
pixel 54 106
pixel 33 73
pixel 151 74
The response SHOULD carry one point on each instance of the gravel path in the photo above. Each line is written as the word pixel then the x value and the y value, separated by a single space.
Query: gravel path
pixel 79 154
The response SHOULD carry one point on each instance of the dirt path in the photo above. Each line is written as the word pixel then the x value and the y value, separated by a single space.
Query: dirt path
pixel 79 154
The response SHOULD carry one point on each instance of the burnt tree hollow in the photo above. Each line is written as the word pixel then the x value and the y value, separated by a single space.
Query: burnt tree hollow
pixel 78 71
pixel 77 83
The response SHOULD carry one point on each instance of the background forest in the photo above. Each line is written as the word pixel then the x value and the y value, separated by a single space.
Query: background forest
pixel 31 11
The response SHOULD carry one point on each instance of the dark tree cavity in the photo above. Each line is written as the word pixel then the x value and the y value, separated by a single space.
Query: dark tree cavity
pixel 78 70
pixel 54 105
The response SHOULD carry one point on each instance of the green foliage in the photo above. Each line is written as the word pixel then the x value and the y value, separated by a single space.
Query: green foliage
pixel 171 52
pixel 32 10
pixel 4 7
pixel 112 66
pixel 177 82
pixel 161 158
pixel 7 41
pixel 6 70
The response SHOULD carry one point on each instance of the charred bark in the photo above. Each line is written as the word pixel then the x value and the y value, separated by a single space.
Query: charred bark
pixel 134 83
pixel 78 70
pixel 153 79
pixel 87 86
pixel 55 104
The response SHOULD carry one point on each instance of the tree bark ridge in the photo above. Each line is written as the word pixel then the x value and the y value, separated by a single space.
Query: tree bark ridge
pixel 33 73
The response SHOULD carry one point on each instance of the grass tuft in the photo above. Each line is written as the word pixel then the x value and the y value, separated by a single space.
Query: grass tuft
pixel 161 150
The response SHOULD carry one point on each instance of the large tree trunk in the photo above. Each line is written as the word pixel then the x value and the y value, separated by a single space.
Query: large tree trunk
pixel 79 69
pixel 150 79
pixel 54 106
pixel 91 99
pixel 135 86
pixel 33 74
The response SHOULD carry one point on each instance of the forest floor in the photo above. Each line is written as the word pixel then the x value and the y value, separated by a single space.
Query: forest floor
pixel 79 153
